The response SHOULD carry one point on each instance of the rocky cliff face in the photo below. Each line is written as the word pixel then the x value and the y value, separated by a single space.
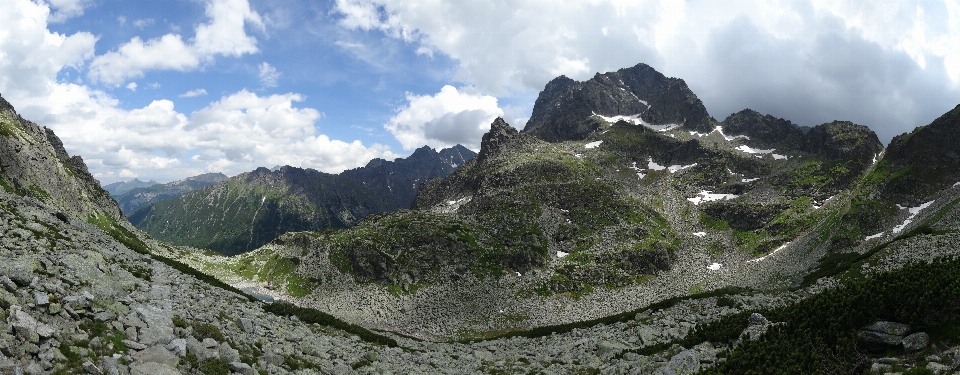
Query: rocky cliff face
pixel 569 110
pixel 34 163
pixel 248 210
pixel 923 161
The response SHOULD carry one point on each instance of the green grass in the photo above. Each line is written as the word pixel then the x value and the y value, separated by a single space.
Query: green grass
pixel 311 316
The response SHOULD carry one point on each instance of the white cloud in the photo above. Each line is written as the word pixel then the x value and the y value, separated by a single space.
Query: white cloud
pixel 194 93
pixel 237 133
pixel 141 23
pixel 781 58
pixel 223 35
pixel 66 9
pixel 132 86
pixel 268 75
pixel 443 120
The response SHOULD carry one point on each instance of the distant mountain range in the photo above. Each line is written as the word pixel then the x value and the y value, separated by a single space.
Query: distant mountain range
pixel 130 199
pixel 248 210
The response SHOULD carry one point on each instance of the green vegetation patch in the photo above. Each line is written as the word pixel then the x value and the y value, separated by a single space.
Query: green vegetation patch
pixel 312 316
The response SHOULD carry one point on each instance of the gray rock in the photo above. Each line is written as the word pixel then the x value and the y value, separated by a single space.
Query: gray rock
pixel 916 341
pixel 178 347
pixel 209 343
pixel 890 328
pixel 157 354
pixel 159 328
pixel 152 368
pixel 938 368
pixel 41 299
pixel 228 354
pixel 242 368
pixel 756 319
pixel 199 350
pixel 272 359
pixel 91 368
pixel 8 284
pixel 878 341
pixel 685 362
pixel 246 325
pixel 27 327
pixel 134 345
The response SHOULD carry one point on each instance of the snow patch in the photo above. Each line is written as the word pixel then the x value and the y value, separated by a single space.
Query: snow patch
pixel 708 196
pixel 654 166
pixel 751 150
pixel 592 144
pixel 699 135
pixel 700 234
pixel 749 179
pixel 771 253
pixel 561 254
pixel 714 267
pixel 913 213
pixel 779 157
pixel 878 235
pixel 719 129
pixel 639 171
pixel 956 184
pixel 637 120
pixel 677 168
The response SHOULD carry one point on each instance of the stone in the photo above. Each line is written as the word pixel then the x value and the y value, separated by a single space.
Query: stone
pixel 55 308
pixel 8 284
pixel 157 354
pixel 246 325
pixel 685 362
pixel 152 368
pixel 133 344
pixel 939 368
pixel 209 343
pixel 242 368
pixel 41 299
pixel 159 328
pixel 131 333
pixel 877 341
pixel 228 354
pixel 890 328
pixel 756 319
pixel 916 341
pixel 272 359
pixel 178 347
pixel 91 368
pixel 880 368
pixel 199 350
pixel 27 327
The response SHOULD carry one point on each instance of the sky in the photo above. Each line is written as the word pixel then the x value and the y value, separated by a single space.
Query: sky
pixel 169 89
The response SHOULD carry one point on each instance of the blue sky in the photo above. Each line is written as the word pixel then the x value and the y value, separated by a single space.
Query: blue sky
pixel 169 89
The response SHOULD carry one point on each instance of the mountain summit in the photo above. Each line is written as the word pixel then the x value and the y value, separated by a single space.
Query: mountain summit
pixel 570 110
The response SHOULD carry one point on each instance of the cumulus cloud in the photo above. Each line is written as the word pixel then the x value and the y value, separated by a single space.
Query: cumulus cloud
pixel 443 120
pixel 237 133
pixel 66 9
pixel 892 66
pixel 194 93
pixel 132 86
pixel 223 35
pixel 268 75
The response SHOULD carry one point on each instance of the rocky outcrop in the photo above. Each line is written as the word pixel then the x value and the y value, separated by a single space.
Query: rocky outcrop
pixel 33 162
pixel 566 109
pixel 924 161
pixel 883 336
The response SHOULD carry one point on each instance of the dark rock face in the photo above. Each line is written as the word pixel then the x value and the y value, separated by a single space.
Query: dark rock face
pixel 500 133
pixel 765 131
pixel 923 161
pixel 565 108
pixel 842 140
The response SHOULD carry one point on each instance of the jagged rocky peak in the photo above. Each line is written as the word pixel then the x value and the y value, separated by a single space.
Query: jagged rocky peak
pixel 570 110
pixel 764 130
pixel 924 161
pixel 500 133
pixel 843 140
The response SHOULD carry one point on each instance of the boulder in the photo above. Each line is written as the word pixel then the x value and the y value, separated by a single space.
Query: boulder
pixel 890 328
pixel 157 354
pixel 152 368
pixel 27 327
pixel 159 328
pixel 242 368
pixel 916 341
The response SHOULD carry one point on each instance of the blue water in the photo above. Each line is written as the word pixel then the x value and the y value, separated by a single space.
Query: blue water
pixel 262 297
